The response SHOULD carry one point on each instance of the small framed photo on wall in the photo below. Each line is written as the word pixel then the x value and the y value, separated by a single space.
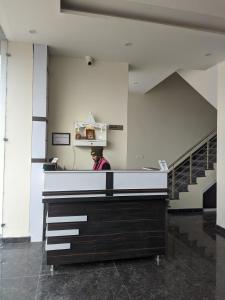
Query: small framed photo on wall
pixel 60 138
pixel 90 134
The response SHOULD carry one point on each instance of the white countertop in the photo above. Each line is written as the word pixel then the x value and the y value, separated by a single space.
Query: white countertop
pixel 104 171
pixel 96 180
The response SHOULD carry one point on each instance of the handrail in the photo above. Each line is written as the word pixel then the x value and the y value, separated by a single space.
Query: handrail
pixel 193 147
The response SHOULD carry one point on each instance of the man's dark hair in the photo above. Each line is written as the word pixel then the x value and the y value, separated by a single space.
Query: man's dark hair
pixel 97 150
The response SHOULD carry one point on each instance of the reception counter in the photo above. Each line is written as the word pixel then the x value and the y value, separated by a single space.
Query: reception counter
pixel 104 215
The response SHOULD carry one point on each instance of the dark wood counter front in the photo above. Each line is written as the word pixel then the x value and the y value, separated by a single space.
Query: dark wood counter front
pixel 113 230
pixel 105 224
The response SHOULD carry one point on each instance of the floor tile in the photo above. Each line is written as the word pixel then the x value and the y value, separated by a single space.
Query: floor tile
pixel 74 268
pixel 102 283
pixel 143 276
pixel 23 288
pixel 21 260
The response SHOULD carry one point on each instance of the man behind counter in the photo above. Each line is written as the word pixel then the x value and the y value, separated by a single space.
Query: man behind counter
pixel 100 163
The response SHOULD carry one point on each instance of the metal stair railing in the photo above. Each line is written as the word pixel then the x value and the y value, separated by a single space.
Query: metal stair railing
pixel 188 155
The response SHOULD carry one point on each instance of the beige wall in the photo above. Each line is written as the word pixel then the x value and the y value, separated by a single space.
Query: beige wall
pixel 18 148
pixel 76 89
pixel 204 82
pixel 221 147
pixel 166 122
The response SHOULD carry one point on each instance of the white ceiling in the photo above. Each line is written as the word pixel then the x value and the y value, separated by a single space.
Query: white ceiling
pixel 204 7
pixel 197 14
pixel 157 50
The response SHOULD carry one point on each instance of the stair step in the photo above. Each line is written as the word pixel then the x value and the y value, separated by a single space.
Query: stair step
pixel 199 168
pixel 193 243
pixel 183 190
pixel 202 174
pixel 201 250
pixel 184 236
pixel 176 196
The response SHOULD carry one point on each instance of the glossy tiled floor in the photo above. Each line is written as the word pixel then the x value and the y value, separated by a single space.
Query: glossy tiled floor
pixel 194 269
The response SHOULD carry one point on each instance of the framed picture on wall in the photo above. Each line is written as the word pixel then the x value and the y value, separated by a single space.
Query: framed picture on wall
pixel 60 138
pixel 90 134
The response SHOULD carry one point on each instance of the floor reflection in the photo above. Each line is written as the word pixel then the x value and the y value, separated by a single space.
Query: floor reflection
pixel 193 269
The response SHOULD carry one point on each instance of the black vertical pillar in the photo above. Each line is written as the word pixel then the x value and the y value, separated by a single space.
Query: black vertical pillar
pixel 109 183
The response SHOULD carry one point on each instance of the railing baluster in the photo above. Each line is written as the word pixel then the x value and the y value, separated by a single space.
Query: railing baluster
pixel 173 183
pixel 192 149
pixel 191 169
pixel 188 154
pixel 207 156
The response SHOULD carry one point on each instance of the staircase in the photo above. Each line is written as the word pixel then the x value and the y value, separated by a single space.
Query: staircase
pixel 192 167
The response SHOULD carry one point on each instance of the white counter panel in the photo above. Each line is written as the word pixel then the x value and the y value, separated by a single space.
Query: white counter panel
pixel 38 139
pixel 40 80
pixel 140 180
pixel 73 181
pixel 36 206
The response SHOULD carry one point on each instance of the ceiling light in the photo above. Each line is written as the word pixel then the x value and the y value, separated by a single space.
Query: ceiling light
pixel 32 31
pixel 127 44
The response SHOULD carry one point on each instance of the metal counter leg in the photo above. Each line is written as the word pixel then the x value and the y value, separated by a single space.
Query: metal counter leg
pixel 157 260
pixel 52 268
